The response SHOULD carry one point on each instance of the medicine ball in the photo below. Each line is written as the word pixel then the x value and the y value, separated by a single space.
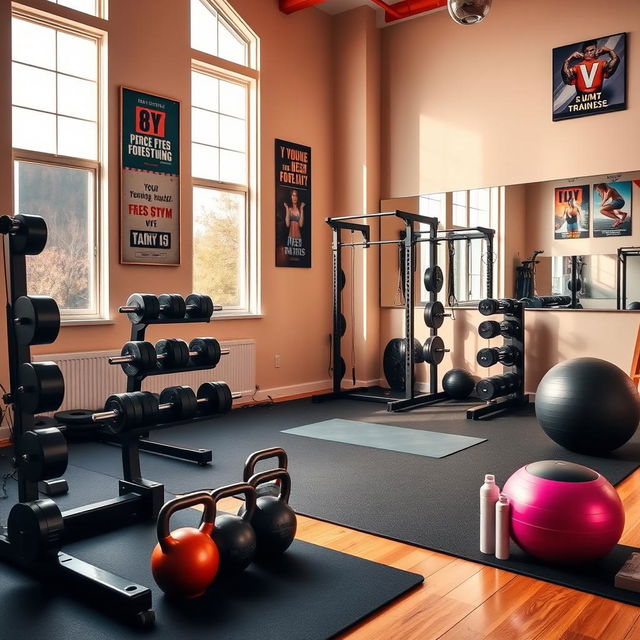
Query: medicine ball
pixel 588 405
pixel 393 361
pixel 633 306
pixel 458 384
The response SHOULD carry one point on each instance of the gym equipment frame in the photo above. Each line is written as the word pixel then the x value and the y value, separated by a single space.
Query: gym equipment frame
pixel 621 280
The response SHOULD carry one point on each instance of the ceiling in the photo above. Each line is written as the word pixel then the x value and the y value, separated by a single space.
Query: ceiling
pixel 340 6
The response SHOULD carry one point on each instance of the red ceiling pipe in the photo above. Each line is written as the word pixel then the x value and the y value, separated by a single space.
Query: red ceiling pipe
pixel 407 8
pixel 289 6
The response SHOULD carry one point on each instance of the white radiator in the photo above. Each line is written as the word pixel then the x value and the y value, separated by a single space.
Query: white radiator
pixel 89 379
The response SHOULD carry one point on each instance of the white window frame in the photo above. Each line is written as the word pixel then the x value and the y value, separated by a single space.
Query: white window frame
pixel 249 76
pixel 99 281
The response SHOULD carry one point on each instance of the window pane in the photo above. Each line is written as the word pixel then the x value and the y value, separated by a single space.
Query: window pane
pixel 459 216
pixel 77 98
pixel 64 198
pixel 77 56
pixel 33 87
pixel 204 91
pixel 479 199
pixel 205 162
pixel 230 46
pixel 34 130
pixel 204 28
pixel 233 99
pixel 204 127
pixel 233 167
pixel 77 138
pixel 459 197
pixel 233 133
pixel 219 250
pixel 86 6
pixel 33 43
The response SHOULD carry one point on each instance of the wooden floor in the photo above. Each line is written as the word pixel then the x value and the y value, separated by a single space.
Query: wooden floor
pixel 462 600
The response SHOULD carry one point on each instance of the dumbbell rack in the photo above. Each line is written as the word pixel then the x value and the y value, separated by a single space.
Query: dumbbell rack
pixel 36 546
pixel 134 383
pixel 518 398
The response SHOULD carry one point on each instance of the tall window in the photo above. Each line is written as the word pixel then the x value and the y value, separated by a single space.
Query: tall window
pixel 432 206
pixel 223 157
pixel 55 97
pixel 92 7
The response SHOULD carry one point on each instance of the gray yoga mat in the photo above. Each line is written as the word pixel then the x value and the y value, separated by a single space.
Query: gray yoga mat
pixel 432 444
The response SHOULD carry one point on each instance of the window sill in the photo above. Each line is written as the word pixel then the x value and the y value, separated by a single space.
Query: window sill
pixel 239 315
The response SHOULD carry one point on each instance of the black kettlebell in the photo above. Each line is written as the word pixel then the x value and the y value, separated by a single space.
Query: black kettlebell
pixel 271 488
pixel 234 536
pixel 274 521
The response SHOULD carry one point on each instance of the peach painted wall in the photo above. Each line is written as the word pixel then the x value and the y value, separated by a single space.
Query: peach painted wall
pixel 296 103
pixel 470 107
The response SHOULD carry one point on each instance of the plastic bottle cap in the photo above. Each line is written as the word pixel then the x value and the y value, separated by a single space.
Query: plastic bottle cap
pixel 503 499
pixel 489 478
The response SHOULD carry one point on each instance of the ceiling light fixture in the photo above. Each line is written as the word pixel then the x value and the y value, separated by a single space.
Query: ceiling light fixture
pixel 468 11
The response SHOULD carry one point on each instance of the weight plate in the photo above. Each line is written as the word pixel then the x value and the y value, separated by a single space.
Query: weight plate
pixel 36 320
pixel 207 352
pixel 35 529
pixel 75 416
pixel 31 237
pixel 433 350
pixel 148 307
pixel 182 399
pixel 144 357
pixel 149 405
pixel 487 389
pixel 342 279
pixel 199 306
pixel 509 329
pixel 393 361
pixel 489 329
pixel 342 325
pixel 42 386
pixel 42 454
pixel 172 305
pixel 434 314
pixel 341 368
pixel 175 352
pixel 433 279
pixel 130 412
pixel 488 306
pixel 487 357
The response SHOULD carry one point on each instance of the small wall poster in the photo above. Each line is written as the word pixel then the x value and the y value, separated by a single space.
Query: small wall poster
pixel 571 212
pixel 589 77
pixel 611 209
pixel 150 179
pixel 293 204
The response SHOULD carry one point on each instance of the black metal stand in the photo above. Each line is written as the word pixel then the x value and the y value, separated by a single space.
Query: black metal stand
pixel 621 281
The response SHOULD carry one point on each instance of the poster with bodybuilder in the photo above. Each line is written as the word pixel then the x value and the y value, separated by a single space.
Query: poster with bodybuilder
pixel 611 209
pixel 293 205
pixel 571 212
pixel 589 77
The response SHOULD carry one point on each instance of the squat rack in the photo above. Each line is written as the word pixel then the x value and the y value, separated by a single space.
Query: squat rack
pixel 621 280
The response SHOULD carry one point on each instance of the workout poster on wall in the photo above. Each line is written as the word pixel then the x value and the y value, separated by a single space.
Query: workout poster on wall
pixel 611 209
pixel 150 179
pixel 571 206
pixel 293 205
pixel 589 77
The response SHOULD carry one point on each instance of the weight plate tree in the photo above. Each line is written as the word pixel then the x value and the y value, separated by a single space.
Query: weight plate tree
pixel 506 391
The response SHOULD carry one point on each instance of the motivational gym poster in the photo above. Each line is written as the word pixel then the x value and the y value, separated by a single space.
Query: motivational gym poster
pixel 150 179
pixel 589 77
pixel 571 206
pixel 611 209
pixel 293 205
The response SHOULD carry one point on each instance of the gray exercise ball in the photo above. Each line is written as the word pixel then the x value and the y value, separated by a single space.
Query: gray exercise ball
pixel 588 405
pixel 634 306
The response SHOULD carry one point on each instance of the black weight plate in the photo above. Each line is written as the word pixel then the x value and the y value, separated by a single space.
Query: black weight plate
pixel 175 352
pixel 75 417
pixel 488 306
pixel 208 391
pixel 149 405
pixel 393 361
pixel 35 529
pixel 148 307
pixel 433 279
pixel 509 329
pixel 31 237
pixel 42 386
pixel 37 320
pixel 342 325
pixel 172 305
pixel 199 306
pixel 434 314
pixel 207 352
pixel 487 357
pixel 433 350
pixel 46 454
pixel 182 399
pixel 342 279
pixel 342 368
pixel 227 399
pixel 130 412
pixel 487 389
pixel 489 329
pixel 144 357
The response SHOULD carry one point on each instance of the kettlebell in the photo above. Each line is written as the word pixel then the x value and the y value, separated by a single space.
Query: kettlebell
pixel 185 562
pixel 274 521
pixel 271 488
pixel 233 535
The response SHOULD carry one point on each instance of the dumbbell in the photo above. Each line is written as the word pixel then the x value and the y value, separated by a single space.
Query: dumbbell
pixel 496 386
pixel 508 355
pixel 172 306
pixel 141 307
pixel 489 306
pixel 200 306
pixel 490 329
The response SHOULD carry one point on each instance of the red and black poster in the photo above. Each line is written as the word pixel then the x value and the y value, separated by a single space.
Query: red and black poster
pixel 293 205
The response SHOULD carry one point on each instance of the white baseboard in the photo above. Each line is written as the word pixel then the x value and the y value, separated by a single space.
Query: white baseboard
pixel 305 388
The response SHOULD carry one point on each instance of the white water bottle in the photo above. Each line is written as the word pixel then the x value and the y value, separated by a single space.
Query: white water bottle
pixel 489 493
pixel 503 509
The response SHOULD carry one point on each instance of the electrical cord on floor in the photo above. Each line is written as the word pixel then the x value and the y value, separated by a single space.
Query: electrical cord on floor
pixel 261 403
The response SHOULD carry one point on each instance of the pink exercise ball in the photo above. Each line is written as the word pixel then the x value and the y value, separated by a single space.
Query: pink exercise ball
pixel 562 512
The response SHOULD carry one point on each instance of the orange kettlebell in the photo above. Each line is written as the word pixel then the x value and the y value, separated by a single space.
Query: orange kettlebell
pixel 185 561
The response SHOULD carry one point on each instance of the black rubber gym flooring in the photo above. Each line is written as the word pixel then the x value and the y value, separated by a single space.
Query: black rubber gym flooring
pixel 431 503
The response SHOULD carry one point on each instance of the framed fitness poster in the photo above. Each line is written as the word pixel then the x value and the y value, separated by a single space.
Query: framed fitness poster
pixel 149 179
pixel 293 204
pixel 611 209
pixel 571 208
pixel 589 77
